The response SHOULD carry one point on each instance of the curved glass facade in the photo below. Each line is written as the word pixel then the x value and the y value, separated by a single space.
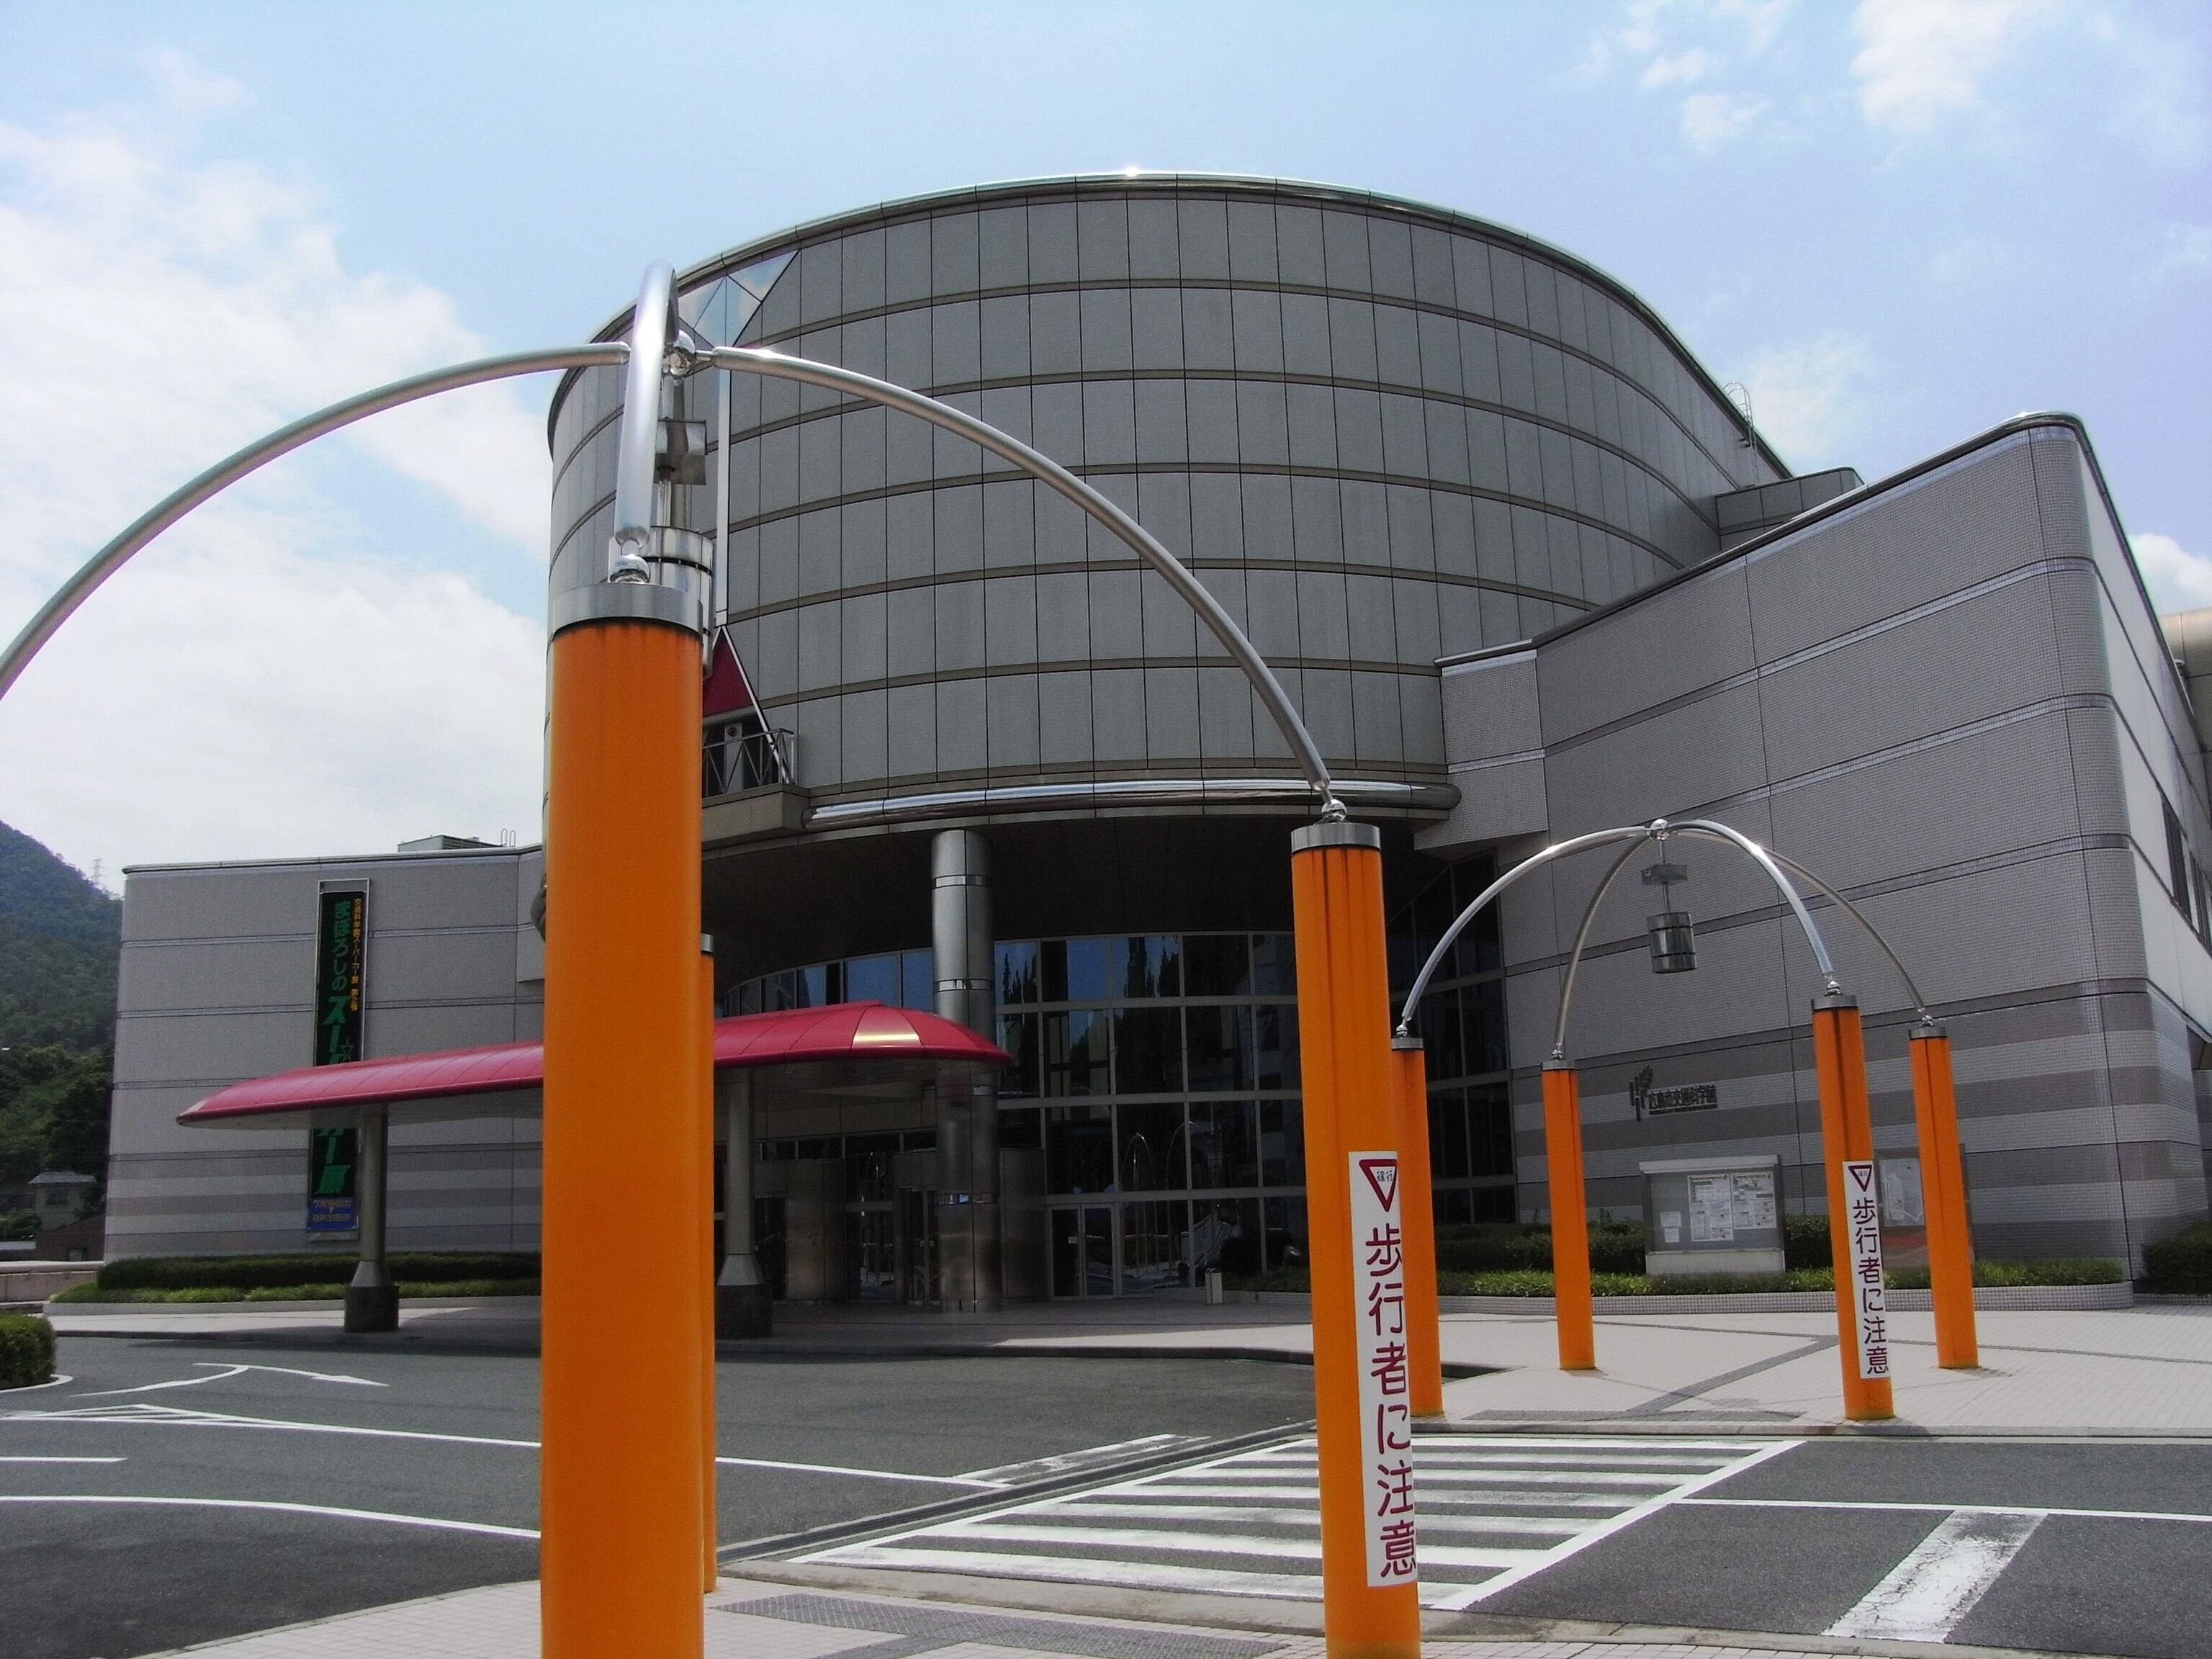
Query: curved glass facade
pixel 1382 433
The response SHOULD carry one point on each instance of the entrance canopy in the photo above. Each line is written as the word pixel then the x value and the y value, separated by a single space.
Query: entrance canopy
pixel 849 1042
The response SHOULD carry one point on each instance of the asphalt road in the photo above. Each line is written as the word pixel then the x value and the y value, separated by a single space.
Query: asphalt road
pixel 171 1494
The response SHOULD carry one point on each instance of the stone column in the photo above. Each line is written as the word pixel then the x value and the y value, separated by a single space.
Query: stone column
pixel 372 1300
pixel 962 944
pixel 741 1302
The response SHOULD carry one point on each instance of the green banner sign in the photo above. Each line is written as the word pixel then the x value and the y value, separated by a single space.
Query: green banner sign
pixel 340 953
pixel 330 1154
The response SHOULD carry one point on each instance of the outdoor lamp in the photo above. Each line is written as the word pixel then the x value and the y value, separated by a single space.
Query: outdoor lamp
pixel 1672 933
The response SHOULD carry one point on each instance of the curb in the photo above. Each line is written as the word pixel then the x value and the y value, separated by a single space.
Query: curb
pixel 1988 1298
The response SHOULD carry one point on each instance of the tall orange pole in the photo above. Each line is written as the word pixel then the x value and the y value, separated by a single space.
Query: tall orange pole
pixel 620 1499
pixel 1847 1150
pixel 1362 1379
pixel 1409 1077
pixel 1571 1268
pixel 702 1140
pixel 1943 1194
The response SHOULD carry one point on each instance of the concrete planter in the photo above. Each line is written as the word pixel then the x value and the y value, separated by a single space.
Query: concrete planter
pixel 1989 1298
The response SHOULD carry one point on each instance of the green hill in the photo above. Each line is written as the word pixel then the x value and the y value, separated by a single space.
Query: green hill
pixel 59 939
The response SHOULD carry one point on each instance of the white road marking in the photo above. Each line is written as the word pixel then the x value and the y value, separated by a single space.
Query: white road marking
pixel 1036 1468
pixel 145 1413
pixel 483 1526
pixel 1248 1523
pixel 1605 1529
pixel 222 1373
pixel 1926 1596
pixel 60 1459
pixel 33 1388
pixel 1942 1509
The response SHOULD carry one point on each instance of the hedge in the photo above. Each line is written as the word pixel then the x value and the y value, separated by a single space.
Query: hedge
pixel 1509 1247
pixel 26 1350
pixel 259 1273
pixel 2051 1270
pixel 325 1291
pixel 2181 1265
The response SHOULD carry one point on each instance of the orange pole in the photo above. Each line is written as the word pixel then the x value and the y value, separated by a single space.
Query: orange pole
pixel 1943 1193
pixel 619 1496
pixel 1571 1268
pixel 1409 1075
pixel 1369 1609
pixel 703 1139
pixel 1847 1136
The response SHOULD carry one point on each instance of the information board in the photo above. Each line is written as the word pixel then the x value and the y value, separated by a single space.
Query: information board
pixel 1386 1420
pixel 341 958
pixel 330 1155
pixel 1869 1310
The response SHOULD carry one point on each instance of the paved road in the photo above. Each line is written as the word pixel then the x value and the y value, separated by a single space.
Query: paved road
pixel 2091 1546
pixel 171 1492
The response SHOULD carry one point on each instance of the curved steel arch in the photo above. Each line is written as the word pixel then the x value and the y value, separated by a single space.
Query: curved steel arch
pixel 1772 862
pixel 112 558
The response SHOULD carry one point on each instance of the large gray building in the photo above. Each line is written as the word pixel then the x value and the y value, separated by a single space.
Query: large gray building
pixel 1527 571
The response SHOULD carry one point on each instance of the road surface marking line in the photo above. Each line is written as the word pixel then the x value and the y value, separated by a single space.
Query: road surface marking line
pixel 1432 1520
pixel 1605 1529
pixel 223 1373
pixel 60 1459
pixel 178 1417
pixel 1134 1575
pixel 1204 1543
pixel 1005 1473
pixel 483 1526
pixel 1924 1597
pixel 1943 1509
pixel 62 1381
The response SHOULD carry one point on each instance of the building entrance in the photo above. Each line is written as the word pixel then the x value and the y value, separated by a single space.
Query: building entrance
pixel 1083 1251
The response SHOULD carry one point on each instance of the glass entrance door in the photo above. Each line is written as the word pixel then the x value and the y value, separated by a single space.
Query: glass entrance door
pixel 1083 1251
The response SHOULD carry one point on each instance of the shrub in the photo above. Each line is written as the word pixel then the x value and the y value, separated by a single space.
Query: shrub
pixel 1805 1242
pixel 26 1350
pixel 297 1273
pixel 327 1291
pixel 2181 1265
pixel 2055 1270
pixel 1504 1246
pixel 18 1224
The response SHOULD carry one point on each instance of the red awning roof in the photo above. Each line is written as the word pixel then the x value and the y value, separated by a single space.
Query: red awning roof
pixel 865 1033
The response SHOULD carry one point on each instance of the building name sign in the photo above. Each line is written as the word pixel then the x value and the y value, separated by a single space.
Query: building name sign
pixel 341 954
pixel 1869 1310
pixel 1386 1419
pixel 1681 1097
pixel 331 1200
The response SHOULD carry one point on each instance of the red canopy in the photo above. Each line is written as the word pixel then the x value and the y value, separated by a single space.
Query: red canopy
pixel 861 1032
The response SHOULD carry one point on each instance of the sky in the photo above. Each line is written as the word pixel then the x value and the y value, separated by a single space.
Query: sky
pixel 1895 223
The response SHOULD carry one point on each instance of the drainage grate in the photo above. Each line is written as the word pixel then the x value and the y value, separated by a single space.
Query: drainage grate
pixel 920 1630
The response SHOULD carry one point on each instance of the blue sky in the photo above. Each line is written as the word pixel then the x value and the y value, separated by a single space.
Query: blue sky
pixel 1897 222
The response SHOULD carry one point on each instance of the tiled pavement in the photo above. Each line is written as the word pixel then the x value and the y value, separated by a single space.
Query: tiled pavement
pixel 749 1620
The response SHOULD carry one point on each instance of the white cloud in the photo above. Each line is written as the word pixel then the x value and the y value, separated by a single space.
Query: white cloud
pixel 2157 90
pixel 1710 119
pixel 2184 251
pixel 1920 60
pixel 1810 400
pixel 2178 578
pixel 1682 68
pixel 259 681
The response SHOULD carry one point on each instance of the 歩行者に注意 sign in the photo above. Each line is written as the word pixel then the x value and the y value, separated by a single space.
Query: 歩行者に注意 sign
pixel 1386 1417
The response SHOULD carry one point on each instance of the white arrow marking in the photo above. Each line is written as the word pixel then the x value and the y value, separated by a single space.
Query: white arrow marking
pixel 219 1373
pixel 60 1459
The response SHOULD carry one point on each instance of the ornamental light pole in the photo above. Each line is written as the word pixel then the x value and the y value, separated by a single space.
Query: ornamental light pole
pixel 627 1513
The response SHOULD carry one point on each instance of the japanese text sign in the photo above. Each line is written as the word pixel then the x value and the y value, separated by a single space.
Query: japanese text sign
pixel 1862 1221
pixel 1386 1421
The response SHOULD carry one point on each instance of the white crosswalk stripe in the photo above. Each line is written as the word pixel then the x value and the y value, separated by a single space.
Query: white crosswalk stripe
pixel 1493 1510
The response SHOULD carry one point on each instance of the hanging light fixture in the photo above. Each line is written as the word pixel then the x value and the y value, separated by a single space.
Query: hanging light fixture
pixel 1672 933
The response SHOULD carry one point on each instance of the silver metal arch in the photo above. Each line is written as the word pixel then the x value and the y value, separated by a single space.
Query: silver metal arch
pixel 639 440
pixel 113 557
pixel 1046 470
pixel 1635 835
pixel 1919 1002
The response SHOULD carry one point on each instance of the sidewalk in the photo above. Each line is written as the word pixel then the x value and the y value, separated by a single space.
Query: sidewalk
pixel 751 1619
pixel 2146 1370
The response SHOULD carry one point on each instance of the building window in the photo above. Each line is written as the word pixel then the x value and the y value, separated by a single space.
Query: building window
pixel 2177 860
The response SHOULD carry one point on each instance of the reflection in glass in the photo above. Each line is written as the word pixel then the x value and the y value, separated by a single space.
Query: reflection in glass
pixel 1274 965
pixel 1152 965
pixel 1225 1145
pixel 1149 1148
pixel 1018 1036
pixel 1020 1127
pixel 872 979
pixel 1018 973
pixel 868 1168
pixel 871 1255
pixel 1490 1130
pixel 1447 1135
pixel 1078 1149
pixel 1153 1235
pixel 917 980
pixel 1219 1046
pixel 1224 1233
pixel 1275 1046
pixel 1076 1052
pixel 1074 970
pixel 1147 1050
pixel 1216 964
pixel 1282 1144
pixel 1286 1232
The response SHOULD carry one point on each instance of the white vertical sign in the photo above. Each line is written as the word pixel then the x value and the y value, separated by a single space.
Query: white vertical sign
pixel 1870 1312
pixel 1386 1419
